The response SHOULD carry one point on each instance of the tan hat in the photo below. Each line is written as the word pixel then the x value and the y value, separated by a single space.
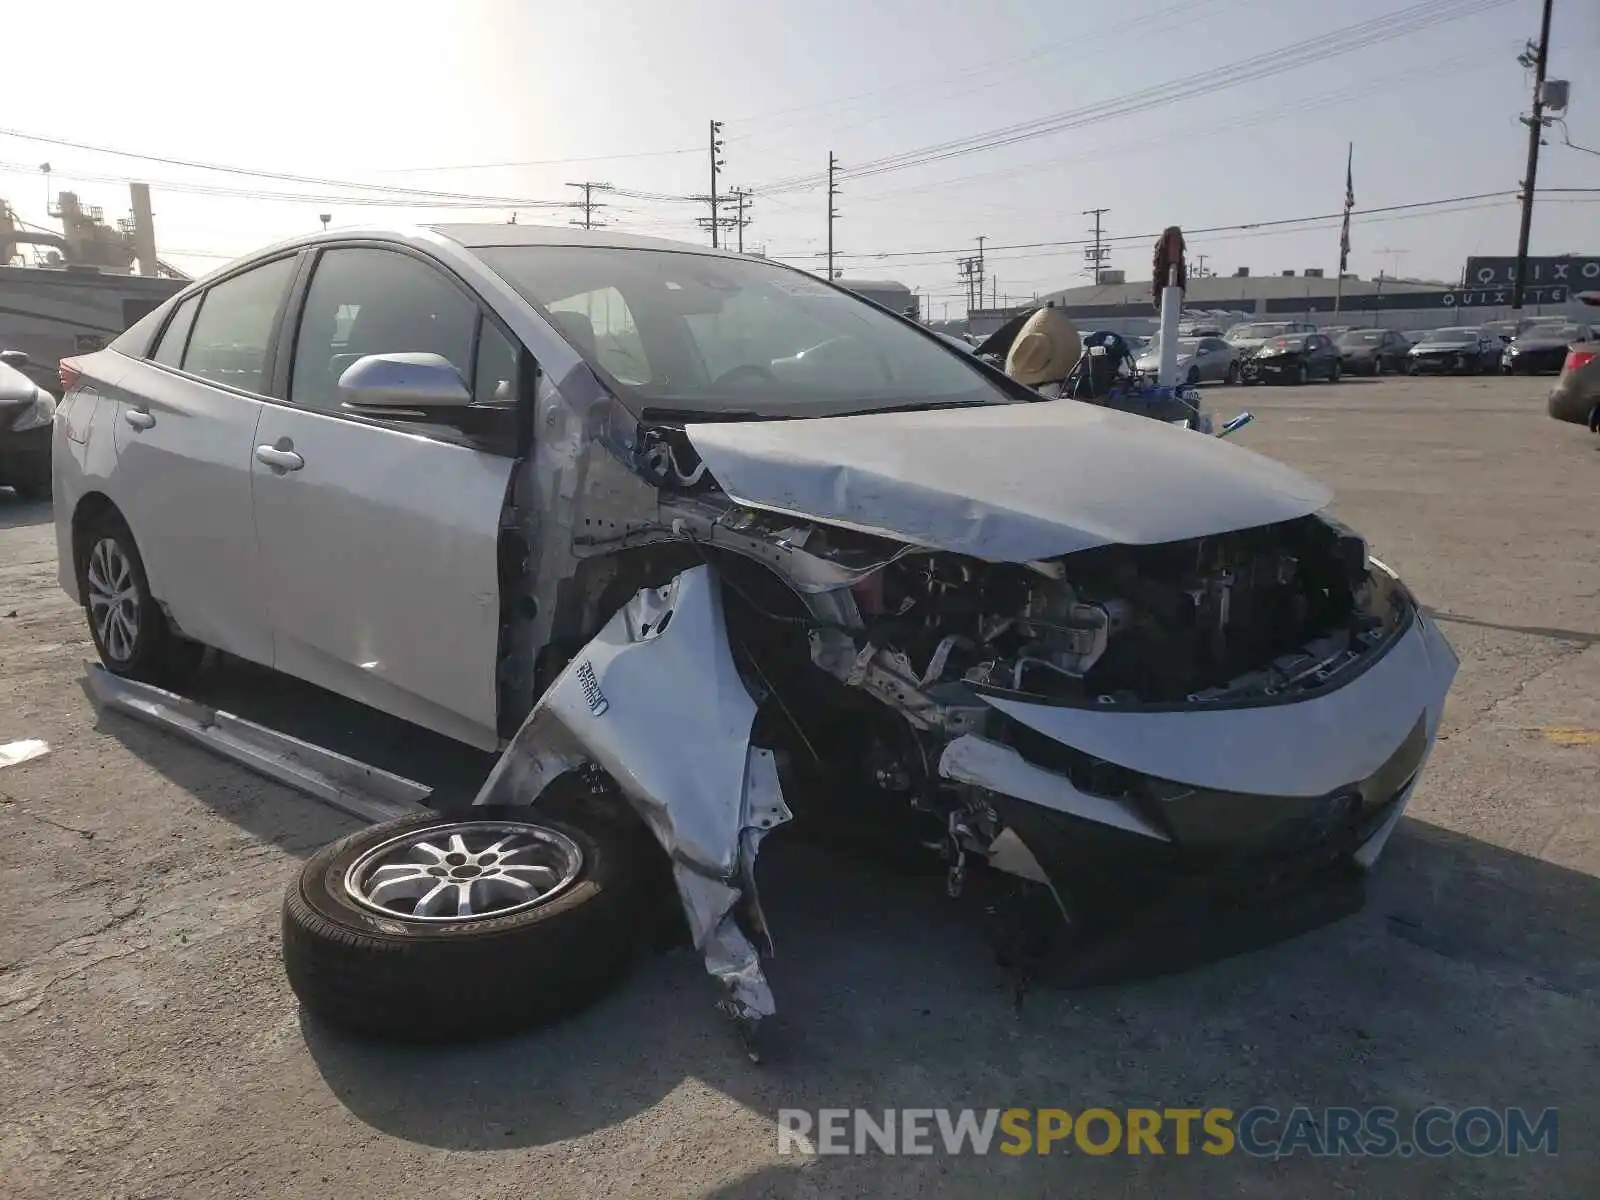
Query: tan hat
pixel 1046 349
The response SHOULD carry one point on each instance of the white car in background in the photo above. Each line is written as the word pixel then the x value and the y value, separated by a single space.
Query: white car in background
pixel 702 545
pixel 1200 360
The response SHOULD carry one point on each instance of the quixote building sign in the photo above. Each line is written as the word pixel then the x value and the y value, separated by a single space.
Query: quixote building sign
pixel 1582 273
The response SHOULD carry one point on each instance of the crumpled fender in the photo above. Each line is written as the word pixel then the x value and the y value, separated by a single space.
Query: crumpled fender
pixel 656 701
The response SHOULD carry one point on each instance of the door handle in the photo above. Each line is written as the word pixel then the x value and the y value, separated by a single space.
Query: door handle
pixel 139 418
pixel 279 459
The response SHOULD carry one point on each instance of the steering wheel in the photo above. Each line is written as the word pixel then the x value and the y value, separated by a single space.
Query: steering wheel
pixel 759 373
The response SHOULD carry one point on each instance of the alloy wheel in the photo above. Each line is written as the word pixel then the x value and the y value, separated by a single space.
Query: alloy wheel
pixel 113 598
pixel 464 871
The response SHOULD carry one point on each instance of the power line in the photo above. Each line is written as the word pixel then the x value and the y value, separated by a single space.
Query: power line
pixel 1414 206
pixel 1312 50
pixel 280 176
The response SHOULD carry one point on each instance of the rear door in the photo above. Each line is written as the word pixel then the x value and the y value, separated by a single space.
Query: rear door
pixel 184 432
pixel 378 542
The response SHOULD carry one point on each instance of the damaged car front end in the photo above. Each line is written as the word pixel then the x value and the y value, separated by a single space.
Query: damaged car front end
pixel 1113 663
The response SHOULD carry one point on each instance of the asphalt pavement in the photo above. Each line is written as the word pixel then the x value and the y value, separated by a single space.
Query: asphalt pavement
pixel 151 1047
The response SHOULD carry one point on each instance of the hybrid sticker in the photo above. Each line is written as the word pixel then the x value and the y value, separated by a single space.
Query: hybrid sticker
pixel 598 704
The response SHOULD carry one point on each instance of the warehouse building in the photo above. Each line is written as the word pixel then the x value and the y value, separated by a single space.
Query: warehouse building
pixel 1127 306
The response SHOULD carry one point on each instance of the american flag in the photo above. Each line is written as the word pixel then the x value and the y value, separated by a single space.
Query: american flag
pixel 1349 203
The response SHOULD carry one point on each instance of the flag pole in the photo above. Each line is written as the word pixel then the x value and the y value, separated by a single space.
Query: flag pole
pixel 1344 229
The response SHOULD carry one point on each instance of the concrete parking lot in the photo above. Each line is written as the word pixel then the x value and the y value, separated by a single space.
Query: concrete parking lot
pixel 151 1047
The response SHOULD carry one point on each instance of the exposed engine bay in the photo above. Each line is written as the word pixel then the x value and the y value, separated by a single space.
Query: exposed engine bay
pixel 1002 714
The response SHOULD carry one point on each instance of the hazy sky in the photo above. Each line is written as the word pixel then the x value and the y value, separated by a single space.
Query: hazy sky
pixel 415 95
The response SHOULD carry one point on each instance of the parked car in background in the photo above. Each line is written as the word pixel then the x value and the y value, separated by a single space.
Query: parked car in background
pixel 1576 394
pixel 1297 358
pixel 1457 350
pixel 1509 329
pixel 1251 336
pixel 1542 349
pixel 1200 360
pixel 26 413
pixel 1335 331
pixel 1372 351
pixel 1413 336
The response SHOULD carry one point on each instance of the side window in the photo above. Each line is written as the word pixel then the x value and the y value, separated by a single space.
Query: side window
pixel 600 326
pixel 368 301
pixel 495 381
pixel 229 340
pixel 169 349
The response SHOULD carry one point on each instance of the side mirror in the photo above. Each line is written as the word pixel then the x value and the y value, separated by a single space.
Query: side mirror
pixel 14 358
pixel 403 385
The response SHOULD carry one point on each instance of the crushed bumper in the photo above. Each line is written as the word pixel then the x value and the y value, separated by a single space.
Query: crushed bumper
pixel 1211 810
pixel 657 703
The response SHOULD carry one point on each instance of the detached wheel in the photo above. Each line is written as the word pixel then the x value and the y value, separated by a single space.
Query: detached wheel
pixel 129 629
pixel 435 928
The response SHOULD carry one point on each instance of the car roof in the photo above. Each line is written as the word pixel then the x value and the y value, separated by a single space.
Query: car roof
pixel 484 234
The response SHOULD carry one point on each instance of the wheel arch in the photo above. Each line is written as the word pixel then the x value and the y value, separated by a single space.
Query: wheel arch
pixel 92 508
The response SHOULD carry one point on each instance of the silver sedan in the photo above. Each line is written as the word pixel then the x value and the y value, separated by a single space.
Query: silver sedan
pixel 1200 360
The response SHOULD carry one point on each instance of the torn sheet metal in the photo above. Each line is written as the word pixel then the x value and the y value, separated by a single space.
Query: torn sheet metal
pixel 343 783
pixel 1004 483
pixel 13 753
pixel 1300 747
pixel 656 701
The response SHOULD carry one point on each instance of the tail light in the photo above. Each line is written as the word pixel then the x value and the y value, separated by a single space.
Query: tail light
pixel 69 373
pixel 1576 359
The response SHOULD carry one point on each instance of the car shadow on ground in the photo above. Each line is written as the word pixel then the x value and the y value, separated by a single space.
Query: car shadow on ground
pixel 297 824
pixel 890 997
pixel 17 513
pixel 1576 636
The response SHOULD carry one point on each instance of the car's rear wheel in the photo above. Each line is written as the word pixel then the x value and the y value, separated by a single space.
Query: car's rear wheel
pixel 447 928
pixel 129 629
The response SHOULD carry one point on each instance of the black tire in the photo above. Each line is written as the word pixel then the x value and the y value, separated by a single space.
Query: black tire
pixel 1335 371
pixel 399 980
pixel 156 654
pixel 1232 376
pixel 1193 377
pixel 1301 375
pixel 1377 367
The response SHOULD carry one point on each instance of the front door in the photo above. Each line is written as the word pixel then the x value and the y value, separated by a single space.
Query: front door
pixel 378 541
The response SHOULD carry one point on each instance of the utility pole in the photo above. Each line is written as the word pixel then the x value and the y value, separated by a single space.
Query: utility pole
pixel 588 203
pixel 740 221
pixel 1097 254
pixel 833 194
pixel 716 166
pixel 1200 266
pixel 970 271
pixel 1535 56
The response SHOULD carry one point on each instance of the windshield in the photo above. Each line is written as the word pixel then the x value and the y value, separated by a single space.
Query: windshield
pixel 1256 332
pixel 681 332
pixel 1362 337
pixel 1459 333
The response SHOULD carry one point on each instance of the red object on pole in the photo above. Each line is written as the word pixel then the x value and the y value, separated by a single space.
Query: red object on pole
pixel 1169 256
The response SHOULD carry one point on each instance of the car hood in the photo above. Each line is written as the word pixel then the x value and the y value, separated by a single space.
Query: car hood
pixel 1541 343
pixel 1442 347
pixel 1006 482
